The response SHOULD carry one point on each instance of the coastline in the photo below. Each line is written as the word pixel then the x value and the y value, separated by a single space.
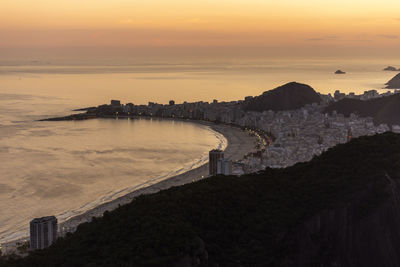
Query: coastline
pixel 239 143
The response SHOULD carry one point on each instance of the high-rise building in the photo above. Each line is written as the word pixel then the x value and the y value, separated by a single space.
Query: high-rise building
pixel 214 156
pixel 224 166
pixel 43 232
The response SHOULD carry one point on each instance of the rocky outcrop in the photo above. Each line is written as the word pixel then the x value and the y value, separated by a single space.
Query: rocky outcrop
pixel 340 72
pixel 390 68
pixel 394 83
pixel 361 234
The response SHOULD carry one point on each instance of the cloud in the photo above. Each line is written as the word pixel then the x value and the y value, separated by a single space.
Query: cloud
pixel 323 38
pixel 389 36
pixel 332 37
pixel 315 39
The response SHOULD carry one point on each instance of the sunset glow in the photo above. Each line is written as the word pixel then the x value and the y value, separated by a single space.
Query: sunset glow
pixel 200 23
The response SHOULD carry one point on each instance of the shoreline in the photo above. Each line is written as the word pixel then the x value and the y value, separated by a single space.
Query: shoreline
pixel 236 148
pixel 239 143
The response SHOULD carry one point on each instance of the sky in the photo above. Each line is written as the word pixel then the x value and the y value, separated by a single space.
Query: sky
pixel 284 26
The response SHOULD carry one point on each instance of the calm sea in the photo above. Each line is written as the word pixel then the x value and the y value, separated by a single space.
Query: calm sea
pixel 65 168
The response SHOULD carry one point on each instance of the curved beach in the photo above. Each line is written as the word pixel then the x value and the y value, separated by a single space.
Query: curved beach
pixel 239 144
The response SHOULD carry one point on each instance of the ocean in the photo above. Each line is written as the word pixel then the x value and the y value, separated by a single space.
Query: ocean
pixel 66 168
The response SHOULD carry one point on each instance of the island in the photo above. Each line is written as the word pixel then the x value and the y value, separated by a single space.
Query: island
pixel 390 68
pixel 340 72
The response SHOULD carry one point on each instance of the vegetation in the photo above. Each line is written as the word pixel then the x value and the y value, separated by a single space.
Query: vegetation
pixel 382 110
pixel 239 220
pixel 286 97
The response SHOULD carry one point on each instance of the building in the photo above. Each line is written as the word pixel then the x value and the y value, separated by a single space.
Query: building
pixel 43 232
pixel 115 103
pixel 224 166
pixel 214 156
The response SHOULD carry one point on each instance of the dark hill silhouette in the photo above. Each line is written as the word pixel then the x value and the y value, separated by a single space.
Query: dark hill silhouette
pixel 394 83
pixel 286 97
pixel 382 110
pixel 340 209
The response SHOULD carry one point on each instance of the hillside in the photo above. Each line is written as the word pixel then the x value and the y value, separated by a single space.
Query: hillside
pixel 286 97
pixel 340 209
pixel 382 110
pixel 394 83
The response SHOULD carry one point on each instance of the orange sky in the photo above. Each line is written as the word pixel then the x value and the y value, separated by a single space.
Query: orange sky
pixel 228 23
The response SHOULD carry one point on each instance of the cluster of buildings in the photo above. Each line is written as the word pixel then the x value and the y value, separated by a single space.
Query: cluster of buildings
pixel 286 137
pixel 289 136
pixel 365 96
pixel 300 135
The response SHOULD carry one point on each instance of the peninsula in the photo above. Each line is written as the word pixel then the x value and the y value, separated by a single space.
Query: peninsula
pixel 297 128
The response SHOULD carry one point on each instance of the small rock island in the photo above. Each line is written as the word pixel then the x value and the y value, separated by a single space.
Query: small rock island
pixel 340 72
pixel 391 68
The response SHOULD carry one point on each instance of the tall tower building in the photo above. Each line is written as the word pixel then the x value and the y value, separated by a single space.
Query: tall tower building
pixel 224 166
pixel 43 232
pixel 214 156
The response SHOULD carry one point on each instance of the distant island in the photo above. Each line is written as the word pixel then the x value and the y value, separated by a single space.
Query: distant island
pixel 394 83
pixel 340 72
pixel 391 68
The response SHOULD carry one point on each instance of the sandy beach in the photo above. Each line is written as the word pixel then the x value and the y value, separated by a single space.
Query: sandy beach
pixel 239 144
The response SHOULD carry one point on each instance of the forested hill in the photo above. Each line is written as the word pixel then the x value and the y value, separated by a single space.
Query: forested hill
pixel 340 209
pixel 382 110
pixel 290 96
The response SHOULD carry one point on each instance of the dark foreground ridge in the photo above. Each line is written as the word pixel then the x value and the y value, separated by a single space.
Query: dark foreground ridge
pixel 290 96
pixel 340 209
pixel 382 110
